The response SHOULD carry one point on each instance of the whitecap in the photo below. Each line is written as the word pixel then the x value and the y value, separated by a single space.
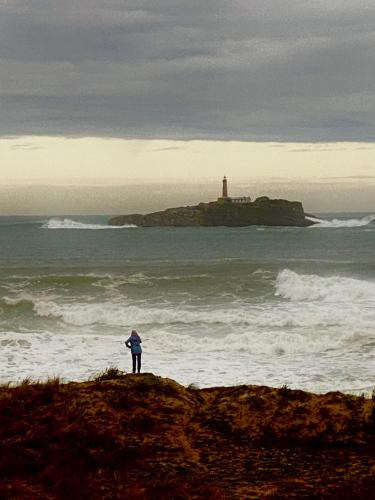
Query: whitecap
pixel 341 223
pixel 72 224
pixel 306 287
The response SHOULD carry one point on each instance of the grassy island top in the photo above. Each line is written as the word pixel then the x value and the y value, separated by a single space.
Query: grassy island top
pixel 145 437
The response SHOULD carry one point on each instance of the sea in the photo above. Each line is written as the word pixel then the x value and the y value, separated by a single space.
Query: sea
pixel 213 305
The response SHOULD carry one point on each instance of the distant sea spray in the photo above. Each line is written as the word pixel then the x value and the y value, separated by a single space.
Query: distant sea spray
pixel 341 223
pixel 55 223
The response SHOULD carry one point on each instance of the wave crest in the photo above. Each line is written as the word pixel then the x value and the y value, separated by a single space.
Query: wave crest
pixel 341 223
pixel 305 287
pixel 72 224
pixel 17 305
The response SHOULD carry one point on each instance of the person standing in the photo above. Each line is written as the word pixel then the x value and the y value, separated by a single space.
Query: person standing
pixel 134 344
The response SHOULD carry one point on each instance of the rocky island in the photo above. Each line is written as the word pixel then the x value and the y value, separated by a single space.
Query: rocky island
pixel 226 211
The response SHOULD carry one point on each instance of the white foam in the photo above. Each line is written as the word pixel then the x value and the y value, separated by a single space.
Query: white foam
pixel 241 358
pixel 313 336
pixel 308 306
pixel 71 224
pixel 341 223
pixel 310 301
pixel 304 287
pixel 13 301
pixel 109 313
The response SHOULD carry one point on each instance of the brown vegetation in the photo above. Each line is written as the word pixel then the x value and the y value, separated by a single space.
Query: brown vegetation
pixel 144 437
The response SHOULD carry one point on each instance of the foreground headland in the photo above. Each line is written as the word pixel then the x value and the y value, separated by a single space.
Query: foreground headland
pixel 145 437
pixel 263 211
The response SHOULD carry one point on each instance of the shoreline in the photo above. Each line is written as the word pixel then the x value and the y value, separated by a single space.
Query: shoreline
pixel 147 437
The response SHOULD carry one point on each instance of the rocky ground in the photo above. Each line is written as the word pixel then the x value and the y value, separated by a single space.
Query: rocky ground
pixel 145 437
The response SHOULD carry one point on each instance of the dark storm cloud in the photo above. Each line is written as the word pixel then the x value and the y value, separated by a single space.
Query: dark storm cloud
pixel 254 70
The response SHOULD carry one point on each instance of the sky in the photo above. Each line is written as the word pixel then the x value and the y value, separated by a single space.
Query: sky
pixel 168 96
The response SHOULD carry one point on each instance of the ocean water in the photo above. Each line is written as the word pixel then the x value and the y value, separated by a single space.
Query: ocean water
pixel 214 306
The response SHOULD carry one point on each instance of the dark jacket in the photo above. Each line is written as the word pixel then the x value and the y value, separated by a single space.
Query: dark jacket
pixel 134 344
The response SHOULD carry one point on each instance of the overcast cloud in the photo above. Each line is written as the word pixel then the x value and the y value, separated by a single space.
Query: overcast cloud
pixel 289 70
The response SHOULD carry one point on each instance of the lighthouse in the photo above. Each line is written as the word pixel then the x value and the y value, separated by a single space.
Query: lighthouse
pixel 225 187
pixel 227 199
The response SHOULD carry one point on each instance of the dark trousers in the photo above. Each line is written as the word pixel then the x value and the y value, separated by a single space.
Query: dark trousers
pixel 137 357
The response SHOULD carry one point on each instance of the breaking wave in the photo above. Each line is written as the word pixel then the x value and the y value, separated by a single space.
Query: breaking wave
pixel 256 333
pixel 117 315
pixel 326 301
pixel 72 224
pixel 317 321
pixel 310 301
pixel 342 223
pixel 305 287
pixel 16 305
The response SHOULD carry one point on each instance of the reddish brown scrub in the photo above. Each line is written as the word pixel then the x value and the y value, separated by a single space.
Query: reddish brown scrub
pixel 145 437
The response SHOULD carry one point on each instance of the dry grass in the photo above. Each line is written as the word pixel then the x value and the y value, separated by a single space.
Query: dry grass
pixel 144 437
pixel 110 373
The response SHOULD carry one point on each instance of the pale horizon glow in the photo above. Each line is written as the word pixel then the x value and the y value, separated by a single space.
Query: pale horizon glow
pixel 305 171
pixel 32 159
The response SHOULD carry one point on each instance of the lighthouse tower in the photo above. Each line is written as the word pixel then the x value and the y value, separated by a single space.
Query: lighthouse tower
pixel 224 198
pixel 225 187
pixel 227 199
